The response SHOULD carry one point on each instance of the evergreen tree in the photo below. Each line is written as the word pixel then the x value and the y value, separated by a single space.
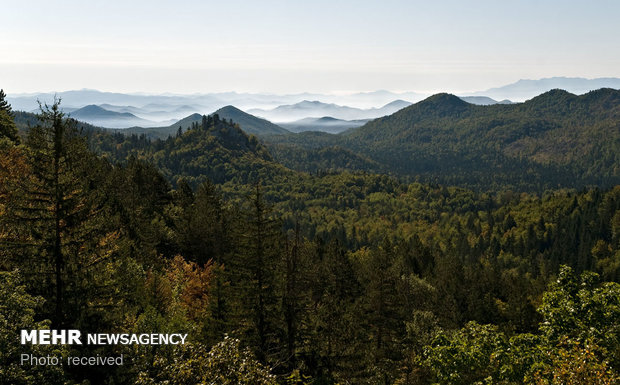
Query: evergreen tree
pixel 4 105
pixel 58 233
pixel 296 292
pixel 382 307
pixel 8 129
pixel 257 263
pixel 332 348
pixel 203 235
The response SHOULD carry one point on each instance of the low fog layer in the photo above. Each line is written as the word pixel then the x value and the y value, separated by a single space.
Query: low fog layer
pixel 118 110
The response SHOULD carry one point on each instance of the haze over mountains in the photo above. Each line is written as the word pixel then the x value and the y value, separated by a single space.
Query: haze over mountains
pixel 296 112
pixel 558 139
pixel 324 124
pixel 555 139
pixel 525 89
pixel 99 116
pixel 317 109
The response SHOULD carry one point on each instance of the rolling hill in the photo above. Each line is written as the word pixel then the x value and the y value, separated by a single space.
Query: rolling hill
pixel 218 151
pixel 248 123
pixel 525 89
pixel 556 139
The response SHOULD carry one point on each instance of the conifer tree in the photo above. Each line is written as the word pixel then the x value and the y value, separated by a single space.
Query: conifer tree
pixel 257 262
pixel 4 105
pixel 8 130
pixel 57 218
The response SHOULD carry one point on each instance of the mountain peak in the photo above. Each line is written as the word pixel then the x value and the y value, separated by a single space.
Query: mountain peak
pixel 311 103
pixel 555 96
pixel 442 104
pixel 250 123
pixel 444 97
pixel 229 108
pixel 397 103
pixel 92 108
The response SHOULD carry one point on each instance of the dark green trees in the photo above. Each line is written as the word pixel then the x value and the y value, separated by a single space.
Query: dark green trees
pixel 8 130
pixel 257 262
pixel 58 235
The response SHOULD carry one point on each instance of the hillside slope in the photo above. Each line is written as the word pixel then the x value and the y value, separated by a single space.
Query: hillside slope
pixel 248 123
pixel 555 139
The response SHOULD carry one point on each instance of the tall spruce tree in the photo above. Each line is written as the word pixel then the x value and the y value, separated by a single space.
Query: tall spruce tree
pixel 57 223
pixel 203 235
pixel 257 264
pixel 8 129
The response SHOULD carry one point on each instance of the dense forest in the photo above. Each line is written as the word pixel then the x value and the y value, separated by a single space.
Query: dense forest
pixel 555 140
pixel 337 262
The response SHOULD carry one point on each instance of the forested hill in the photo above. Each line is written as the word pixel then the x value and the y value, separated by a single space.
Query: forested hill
pixel 216 150
pixel 337 278
pixel 250 123
pixel 554 140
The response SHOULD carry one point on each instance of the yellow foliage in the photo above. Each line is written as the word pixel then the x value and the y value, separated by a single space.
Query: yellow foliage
pixel 190 284
pixel 577 365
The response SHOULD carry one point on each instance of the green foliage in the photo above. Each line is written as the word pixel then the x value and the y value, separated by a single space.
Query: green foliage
pixel 8 129
pixel 467 356
pixel 554 140
pixel 578 342
pixel 216 151
pixel 329 277
pixel 574 364
pixel 56 217
pixel 257 264
pixel 583 311
pixel 323 160
pixel 226 363
pixel 17 311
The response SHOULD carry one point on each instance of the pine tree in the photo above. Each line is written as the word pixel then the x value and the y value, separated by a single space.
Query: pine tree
pixel 257 263
pixel 383 312
pixel 296 292
pixel 332 350
pixel 4 105
pixel 203 236
pixel 57 218
pixel 8 129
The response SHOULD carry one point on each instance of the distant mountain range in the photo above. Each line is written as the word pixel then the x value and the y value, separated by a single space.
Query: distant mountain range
pixel 248 123
pixel 556 139
pixel 317 109
pixel 324 124
pixel 101 117
pixel 556 136
pixel 162 110
pixel 154 111
pixel 118 110
pixel 305 116
pixel 483 100
pixel 525 89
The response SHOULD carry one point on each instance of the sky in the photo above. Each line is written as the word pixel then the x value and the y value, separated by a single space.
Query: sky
pixel 333 46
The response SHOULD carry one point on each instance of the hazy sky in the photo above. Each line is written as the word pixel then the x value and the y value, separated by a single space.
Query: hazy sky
pixel 188 46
